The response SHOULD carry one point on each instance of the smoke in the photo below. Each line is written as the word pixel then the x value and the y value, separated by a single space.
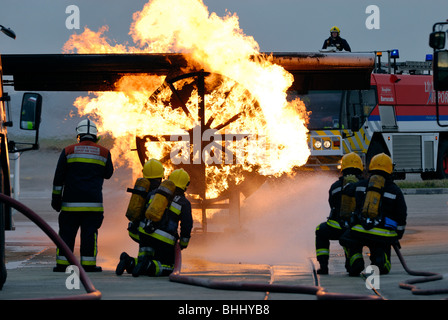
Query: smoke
pixel 277 226
pixel 113 236
pixel 277 223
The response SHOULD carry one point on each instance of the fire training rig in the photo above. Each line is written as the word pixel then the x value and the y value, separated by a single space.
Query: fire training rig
pixel 100 72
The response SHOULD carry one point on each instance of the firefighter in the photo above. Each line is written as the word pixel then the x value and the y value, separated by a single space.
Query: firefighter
pixel 154 172
pixel 380 217
pixel 158 239
pixel 336 41
pixel 77 194
pixel 342 204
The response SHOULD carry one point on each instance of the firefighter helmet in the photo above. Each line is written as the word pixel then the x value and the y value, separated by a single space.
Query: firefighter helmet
pixel 381 162
pixel 86 127
pixel 153 169
pixel 335 29
pixel 181 178
pixel 352 160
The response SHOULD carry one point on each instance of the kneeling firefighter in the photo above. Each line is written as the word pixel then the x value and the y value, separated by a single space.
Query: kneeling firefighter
pixel 153 173
pixel 342 203
pixel 159 232
pixel 380 217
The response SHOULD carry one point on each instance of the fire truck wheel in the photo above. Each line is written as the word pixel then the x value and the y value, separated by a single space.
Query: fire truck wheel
pixel 442 160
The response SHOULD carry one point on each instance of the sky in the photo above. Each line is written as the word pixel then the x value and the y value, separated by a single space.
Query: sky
pixel 277 26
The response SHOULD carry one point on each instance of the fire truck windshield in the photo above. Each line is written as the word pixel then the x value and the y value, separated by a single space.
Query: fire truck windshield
pixel 337 109
pixel 325 107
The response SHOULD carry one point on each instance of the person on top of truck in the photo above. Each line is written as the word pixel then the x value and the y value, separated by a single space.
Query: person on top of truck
pixel 336 41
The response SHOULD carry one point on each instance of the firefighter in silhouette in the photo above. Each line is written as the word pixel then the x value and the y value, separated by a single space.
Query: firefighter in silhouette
pixel 153 173
pixel 342 204
pixel 158 236
pixel 77 194
pixel 379 219
pixel 335 41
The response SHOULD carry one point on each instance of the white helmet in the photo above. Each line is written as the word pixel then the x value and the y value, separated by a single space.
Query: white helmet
pixel 86 128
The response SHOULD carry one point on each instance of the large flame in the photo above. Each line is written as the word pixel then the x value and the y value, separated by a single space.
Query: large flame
pixel 251 91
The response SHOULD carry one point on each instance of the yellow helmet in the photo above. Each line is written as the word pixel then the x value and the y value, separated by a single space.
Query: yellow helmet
pixel 352 160
pixel 335 29
pixel 181 178
pixel 153 169
pixel 381 162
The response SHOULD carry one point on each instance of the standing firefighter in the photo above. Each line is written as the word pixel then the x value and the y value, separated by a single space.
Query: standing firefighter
pixel 153 173
pixel 77 194
pixel 159 234
pixel 336 41
pixel 380 217
pixel 342 204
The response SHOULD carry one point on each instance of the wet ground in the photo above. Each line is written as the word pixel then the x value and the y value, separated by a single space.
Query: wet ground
pixel 273 244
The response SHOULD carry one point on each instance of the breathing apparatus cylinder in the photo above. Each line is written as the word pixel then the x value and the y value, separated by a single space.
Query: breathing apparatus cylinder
pixel 370 210
pixel 138 199
pixel 159 203
pixel 348 201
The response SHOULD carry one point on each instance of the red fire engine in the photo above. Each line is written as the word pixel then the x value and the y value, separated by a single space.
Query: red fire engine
pixel 397 115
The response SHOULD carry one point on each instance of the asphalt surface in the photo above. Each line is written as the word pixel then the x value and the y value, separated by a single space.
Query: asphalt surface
pixel 270 251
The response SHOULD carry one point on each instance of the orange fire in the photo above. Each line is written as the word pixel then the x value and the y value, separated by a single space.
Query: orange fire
pixel 251 92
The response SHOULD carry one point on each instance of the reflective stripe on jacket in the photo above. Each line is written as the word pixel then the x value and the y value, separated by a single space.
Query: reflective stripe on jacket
pixel 179 210
pixel 79 176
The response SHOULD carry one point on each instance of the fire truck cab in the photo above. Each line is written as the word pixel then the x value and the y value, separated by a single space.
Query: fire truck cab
pixel 398 115
pixel 30 114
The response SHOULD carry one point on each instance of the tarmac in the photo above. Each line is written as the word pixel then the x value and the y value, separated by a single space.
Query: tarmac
pixel 230 265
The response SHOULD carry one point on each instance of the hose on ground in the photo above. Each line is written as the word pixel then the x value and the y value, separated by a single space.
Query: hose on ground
pixel 425 277
pixel 92 292
pixel 318 291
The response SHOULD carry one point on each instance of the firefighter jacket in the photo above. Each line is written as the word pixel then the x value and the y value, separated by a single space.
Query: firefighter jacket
pixel 79 177
pixel 392 212
pixel 166 230
pixel 338 42
pixel 337 189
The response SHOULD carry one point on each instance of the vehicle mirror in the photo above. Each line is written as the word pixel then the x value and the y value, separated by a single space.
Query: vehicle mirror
pixel 437 40
pixel 8 32
pixel 441 70
pixel 30 111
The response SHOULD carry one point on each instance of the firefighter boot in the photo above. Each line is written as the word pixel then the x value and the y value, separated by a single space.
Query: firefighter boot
pixel 126 263
pixel 323 262
pixel 323 269
pixel 59 268
pixel 142 266
pixel 92 269
pixel 356 265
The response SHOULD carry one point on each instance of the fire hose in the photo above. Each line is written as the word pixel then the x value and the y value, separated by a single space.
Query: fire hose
pixel 176 276
pixel 92 292
pixel 320 292
pixel 425 277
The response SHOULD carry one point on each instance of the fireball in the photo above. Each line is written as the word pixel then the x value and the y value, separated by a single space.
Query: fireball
pixel 226 112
